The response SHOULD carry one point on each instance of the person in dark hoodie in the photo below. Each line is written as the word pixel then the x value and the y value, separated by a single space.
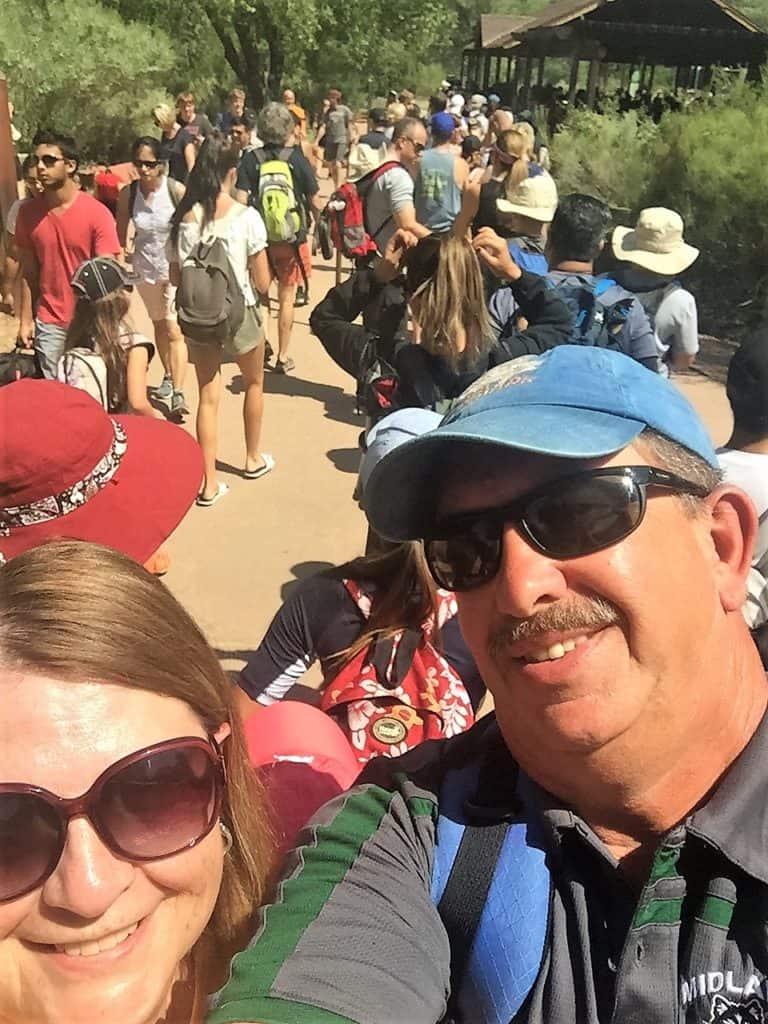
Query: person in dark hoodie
pixel 440 282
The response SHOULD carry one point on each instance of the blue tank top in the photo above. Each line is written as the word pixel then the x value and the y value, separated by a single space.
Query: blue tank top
pixel 438 198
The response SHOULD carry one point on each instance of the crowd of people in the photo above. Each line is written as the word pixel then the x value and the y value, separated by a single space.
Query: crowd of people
pixel 526 791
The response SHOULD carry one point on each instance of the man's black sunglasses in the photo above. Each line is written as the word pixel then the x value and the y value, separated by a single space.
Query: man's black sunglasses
pixel 151 164
pixel 565 518
pixel 49 160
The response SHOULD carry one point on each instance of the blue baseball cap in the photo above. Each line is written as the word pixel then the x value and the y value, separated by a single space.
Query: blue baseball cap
pixel 572 402
pixel 389 433
pixel 443 123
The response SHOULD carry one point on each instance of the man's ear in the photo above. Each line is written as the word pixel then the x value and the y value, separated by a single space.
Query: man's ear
pixel 733 529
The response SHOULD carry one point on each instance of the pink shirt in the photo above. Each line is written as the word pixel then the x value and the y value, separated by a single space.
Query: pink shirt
pixel 61 241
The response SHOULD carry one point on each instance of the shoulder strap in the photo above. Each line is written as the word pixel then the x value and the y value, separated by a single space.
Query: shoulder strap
pixel 465 897
pixel 491 878
pixel 602 285
pixel 133 191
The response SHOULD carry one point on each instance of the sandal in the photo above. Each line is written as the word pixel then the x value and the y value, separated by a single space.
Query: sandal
pixel 221 490
pixel 256 474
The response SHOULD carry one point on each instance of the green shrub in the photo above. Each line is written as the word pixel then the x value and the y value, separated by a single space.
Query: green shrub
pixel 82 70
pixel 712 168
pixel 605 155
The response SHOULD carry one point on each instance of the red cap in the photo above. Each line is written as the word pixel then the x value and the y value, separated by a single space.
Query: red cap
pixel 68 469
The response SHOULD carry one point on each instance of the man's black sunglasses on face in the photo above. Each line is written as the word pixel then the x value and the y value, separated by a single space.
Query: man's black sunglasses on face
pixel 565 518
pixel 49 160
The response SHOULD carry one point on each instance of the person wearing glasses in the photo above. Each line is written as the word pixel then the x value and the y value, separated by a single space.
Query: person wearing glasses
pixel 149 203
pixel 389 204
pixel 607 823
pixel 134 838
pixel 55 233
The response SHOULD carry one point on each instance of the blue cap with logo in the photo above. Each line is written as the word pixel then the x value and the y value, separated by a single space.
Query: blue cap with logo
pixel 572 402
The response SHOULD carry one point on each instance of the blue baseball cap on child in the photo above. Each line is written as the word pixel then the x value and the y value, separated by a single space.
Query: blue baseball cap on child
pixel 572 402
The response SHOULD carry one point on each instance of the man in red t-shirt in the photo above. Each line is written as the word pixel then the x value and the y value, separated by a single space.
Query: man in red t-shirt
pixel 55 233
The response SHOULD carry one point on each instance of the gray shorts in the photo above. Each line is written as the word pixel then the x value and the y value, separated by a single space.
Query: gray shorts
pixel 335 152
pixel 248 338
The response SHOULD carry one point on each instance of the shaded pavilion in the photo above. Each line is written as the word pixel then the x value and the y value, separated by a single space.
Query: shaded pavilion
pixel 687 35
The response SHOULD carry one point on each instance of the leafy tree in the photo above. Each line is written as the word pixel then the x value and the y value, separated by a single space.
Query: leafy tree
pixel 79 68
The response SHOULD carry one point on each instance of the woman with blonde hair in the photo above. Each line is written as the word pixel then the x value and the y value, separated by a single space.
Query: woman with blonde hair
pixel 439 281
pixel 177 147
pixel 134 842
pixel 510 162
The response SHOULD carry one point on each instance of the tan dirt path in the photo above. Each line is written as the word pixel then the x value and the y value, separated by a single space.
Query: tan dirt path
pixel 234 563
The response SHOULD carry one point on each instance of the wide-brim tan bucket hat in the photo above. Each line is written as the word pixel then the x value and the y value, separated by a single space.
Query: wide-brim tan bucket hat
pixel 655 243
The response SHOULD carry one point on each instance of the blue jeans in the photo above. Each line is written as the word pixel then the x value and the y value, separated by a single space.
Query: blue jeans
pixel 49 345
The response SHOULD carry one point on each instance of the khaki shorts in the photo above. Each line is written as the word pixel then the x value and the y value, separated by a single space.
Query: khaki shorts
pixel 248 338
pixel 158 298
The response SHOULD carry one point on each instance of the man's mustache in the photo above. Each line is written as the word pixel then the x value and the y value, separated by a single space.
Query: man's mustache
pixel 588 614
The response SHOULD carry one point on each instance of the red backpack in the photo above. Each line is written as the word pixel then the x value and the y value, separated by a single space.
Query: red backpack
pixel 345 214
pixel 399 691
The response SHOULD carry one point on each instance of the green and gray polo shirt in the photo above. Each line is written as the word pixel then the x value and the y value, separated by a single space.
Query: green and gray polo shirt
pixel 354 938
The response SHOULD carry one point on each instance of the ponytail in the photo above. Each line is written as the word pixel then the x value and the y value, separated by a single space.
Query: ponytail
pixel 515 150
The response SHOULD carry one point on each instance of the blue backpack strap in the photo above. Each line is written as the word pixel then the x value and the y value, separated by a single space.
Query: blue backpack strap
pixel 533 262
pixel 602 285
pixel 508 938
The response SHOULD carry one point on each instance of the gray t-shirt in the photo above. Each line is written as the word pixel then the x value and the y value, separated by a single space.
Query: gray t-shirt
pixel 392 192
pixel 337 122
pixel 354 935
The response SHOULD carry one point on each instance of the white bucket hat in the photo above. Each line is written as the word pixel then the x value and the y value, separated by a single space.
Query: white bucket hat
pixel 534 197
pixel 655 243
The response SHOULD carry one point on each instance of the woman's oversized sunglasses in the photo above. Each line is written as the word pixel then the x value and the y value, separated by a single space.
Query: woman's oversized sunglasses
pixel 149 805
pixel 565 518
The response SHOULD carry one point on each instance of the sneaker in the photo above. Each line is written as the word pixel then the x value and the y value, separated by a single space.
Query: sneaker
pixel 166 388
pixel 301 296
pixel 284 365
pixel 179 403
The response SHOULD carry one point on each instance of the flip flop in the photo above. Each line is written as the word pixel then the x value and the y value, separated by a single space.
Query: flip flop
pixel 202 502
pixel 256 474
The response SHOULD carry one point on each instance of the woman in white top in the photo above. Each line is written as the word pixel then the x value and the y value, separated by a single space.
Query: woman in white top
pixel 149 203
pixel 208 210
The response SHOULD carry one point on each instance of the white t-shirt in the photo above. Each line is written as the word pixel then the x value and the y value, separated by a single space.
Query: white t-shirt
pixel 243 232
pixel 13 213
pixel 749 470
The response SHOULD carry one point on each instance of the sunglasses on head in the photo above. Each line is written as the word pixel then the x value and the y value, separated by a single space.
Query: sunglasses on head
pixel 565 518
pixel 149 805
pixel 151 164
pixel 49 160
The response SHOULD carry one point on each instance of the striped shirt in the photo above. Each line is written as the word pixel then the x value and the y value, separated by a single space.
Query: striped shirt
pixel 354 938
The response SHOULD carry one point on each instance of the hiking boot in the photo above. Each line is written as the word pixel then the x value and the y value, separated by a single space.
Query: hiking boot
pixel 166 388
pixel 179 404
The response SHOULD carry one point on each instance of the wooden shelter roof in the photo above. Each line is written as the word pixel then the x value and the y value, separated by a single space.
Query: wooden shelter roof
pixel 500 29
pixel 662 31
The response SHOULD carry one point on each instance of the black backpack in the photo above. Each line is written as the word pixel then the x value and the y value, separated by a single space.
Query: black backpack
pixel 595 323
pixel 209 299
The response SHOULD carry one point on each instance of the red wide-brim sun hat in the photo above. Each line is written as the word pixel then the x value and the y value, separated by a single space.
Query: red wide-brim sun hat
pixel 69 469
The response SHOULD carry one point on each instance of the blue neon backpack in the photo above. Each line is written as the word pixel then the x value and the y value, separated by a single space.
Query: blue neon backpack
pixel 491 886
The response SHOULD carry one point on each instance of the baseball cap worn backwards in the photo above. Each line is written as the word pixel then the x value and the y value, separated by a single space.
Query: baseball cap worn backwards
pixel 572 402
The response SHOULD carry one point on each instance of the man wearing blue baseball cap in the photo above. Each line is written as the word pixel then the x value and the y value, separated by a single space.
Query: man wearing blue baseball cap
pixel 595 851
pixel 442 176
